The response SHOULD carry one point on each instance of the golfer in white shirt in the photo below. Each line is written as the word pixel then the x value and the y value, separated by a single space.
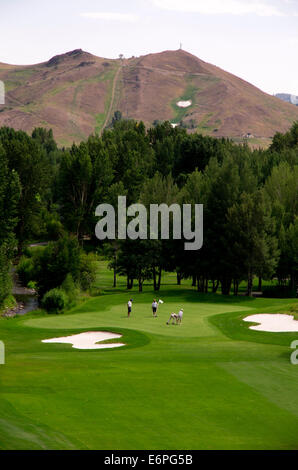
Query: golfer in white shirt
pixel 154 308
pixel 129 307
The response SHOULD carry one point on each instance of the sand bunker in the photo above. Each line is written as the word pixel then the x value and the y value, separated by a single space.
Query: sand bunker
pixel 184 104
pixel 275 323
pixel 88 340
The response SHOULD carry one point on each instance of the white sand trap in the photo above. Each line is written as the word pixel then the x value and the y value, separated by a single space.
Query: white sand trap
pixel 184 104
pixel 88 340
pixel 275 323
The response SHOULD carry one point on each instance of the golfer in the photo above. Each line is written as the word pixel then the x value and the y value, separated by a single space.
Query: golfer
pixel 129 307
pixel 179 317
pixel 173 318
pixel 154 308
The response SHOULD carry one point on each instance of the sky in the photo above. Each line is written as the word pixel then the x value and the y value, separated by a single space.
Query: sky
pixel 255 40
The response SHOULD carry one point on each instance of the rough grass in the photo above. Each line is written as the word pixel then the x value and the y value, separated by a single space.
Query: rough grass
pixel 240 107
pixel 203 127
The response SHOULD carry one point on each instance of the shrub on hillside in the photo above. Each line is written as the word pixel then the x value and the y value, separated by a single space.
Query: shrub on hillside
pixel 55 301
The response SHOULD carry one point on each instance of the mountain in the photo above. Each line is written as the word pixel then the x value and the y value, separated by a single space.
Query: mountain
pixel 288 98
pixel 77 93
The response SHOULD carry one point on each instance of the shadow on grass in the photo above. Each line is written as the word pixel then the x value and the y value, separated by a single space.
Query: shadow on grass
pixel 181 292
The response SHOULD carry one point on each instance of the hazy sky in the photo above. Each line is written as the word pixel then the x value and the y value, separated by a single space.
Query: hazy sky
pixel 256 40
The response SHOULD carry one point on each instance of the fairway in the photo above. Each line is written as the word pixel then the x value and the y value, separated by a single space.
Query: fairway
pixel 210 383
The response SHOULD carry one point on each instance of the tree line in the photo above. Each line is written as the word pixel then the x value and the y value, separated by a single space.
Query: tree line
pixel 249 197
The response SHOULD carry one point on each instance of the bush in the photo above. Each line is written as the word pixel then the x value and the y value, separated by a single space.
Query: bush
pixel 68 284
pixel 55 301
pixel 60 262
pixel 54 229
pixel 70 288
pixel 32 285
pixel 87 271
pixel 26 270
pixel 9 302
pixel 56 261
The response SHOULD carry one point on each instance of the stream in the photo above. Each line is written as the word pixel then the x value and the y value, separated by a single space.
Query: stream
pixel 27 300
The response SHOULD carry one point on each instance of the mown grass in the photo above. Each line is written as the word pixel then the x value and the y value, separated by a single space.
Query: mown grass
pixel 107 77
pixel 210 383
pixel 189 94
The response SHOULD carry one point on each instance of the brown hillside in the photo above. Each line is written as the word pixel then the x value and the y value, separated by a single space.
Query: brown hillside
pixel 76 94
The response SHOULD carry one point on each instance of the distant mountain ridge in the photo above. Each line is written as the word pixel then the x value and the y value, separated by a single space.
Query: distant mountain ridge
pixel 287 98
pixel 77 93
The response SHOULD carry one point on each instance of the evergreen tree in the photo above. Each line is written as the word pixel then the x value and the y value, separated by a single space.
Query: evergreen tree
pixel 251 242
pixel 10 190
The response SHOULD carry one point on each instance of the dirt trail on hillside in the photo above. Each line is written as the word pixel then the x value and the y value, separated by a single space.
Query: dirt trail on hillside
pixel 112 99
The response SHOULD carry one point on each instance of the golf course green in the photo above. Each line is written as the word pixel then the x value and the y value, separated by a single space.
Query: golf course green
pixel 210 383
